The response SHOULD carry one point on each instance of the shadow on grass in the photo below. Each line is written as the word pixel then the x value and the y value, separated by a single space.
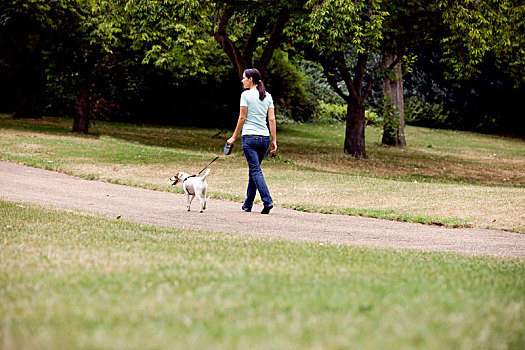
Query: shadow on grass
pixel 318 148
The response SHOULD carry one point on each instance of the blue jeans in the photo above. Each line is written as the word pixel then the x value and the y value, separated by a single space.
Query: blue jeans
pixel 255 148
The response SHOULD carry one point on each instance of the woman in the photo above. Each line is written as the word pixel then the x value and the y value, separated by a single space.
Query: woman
pixel 256 105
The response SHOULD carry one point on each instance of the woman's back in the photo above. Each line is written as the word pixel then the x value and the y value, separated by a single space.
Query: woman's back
pixel 257 112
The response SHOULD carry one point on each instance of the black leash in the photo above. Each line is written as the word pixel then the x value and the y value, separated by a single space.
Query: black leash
pixel 189 177
pixel 208 165
pixel 227 151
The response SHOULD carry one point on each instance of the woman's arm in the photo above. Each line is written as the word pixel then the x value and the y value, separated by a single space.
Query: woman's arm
pixel 240 123
pixel 273 130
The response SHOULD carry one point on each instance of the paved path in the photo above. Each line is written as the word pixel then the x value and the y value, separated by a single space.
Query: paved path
pixel 22 183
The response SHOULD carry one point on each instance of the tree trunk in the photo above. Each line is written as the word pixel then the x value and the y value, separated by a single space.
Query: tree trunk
pixel 28 89
pixel 394 131
pixel 26 103
pixel 82 111
pixel 355 130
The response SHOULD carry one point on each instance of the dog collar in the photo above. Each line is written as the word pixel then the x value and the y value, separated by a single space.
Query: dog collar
pixel 183 181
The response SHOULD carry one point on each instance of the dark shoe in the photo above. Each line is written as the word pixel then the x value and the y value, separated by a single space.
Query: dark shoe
pixel 266 210
pixel 246 209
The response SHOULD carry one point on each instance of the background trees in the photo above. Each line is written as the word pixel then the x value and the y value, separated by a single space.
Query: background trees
pixel 179 61
pixel 362 43
pixel 25 33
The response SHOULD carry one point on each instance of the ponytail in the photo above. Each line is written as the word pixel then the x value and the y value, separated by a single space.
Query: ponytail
pixel 254 73
pixel 262 90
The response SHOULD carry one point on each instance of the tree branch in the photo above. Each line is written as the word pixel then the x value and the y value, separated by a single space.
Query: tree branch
pixel 274 40
pixel 234 56
pixel 256 32
pixel 330 77
pixel 347 77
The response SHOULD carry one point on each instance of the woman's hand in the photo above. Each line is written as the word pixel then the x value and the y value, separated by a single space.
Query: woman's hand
pixel 231 140
pixel 273 147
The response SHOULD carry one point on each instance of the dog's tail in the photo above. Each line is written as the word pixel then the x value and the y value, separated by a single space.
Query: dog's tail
pixel 205 175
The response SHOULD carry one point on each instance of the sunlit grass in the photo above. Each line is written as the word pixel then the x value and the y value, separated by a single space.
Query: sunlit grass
pixel 451 177
pixel 71 280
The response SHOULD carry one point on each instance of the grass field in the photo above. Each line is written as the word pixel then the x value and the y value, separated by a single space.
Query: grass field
pixel 71 280
pixel 75 280
pixel 458 179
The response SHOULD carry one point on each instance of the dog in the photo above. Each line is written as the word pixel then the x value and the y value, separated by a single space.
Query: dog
pixel 193 186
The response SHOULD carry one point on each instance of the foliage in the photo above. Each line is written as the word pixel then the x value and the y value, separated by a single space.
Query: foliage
pixel 330 113
pixel 424 113
pixel 483 103
pixel 356 22
pixel 158 61
pixel 167 34
pixel 388 116
pixel 290 86
pixel 372 118
pixel 28 33
pixel 481 27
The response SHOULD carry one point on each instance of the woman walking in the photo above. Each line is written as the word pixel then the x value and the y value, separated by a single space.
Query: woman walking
pixel 256 105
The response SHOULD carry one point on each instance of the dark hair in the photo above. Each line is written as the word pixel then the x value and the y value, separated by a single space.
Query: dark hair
pixel 254 73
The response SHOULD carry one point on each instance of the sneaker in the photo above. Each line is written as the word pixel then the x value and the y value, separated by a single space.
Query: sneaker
pixel 266 210
pixel 246 209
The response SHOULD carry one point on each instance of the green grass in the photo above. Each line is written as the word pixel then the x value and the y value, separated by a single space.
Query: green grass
pixel 381 214
pixel 458 179
pixel 72 280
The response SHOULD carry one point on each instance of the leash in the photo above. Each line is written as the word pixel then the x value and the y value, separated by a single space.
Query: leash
pixel 206 167
pixel 200 172
pixel 227 151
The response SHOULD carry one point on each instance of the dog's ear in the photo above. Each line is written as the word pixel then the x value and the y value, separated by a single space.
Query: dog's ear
pixel 175 178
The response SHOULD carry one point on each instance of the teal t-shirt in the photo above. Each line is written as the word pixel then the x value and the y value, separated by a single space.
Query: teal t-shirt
pixel 255 123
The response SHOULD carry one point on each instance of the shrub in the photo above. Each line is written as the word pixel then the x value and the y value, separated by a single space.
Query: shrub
pixel 425 114
pixel 372 118
pixel 329 113
pixel 290 87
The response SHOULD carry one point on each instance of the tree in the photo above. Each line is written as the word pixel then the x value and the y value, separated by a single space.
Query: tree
pixel 394 126
pixel 348 36
pixel 481 27
pixel 49 36
pixel 345 35
pixel 271 18
pixel 25 31
pixel 466 31
pixel 167 34
pixel 175 34
pixel 164 34
pixel 409 26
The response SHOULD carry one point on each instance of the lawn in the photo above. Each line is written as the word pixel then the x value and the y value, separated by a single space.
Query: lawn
pixel 75 280
pixel 452 178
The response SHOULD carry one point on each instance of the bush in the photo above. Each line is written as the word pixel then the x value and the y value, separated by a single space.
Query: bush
pixel 424 113
pixel 290 88
pixel 329 113
pixel 372 118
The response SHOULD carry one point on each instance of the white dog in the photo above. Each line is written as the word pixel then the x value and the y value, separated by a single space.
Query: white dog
pixel 193 187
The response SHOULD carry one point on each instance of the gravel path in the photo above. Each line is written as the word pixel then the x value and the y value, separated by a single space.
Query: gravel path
pixel 21 183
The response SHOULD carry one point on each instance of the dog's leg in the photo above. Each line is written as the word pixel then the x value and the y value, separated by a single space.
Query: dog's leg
pixel 199 197
pixel 189 198
pixel 204 192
